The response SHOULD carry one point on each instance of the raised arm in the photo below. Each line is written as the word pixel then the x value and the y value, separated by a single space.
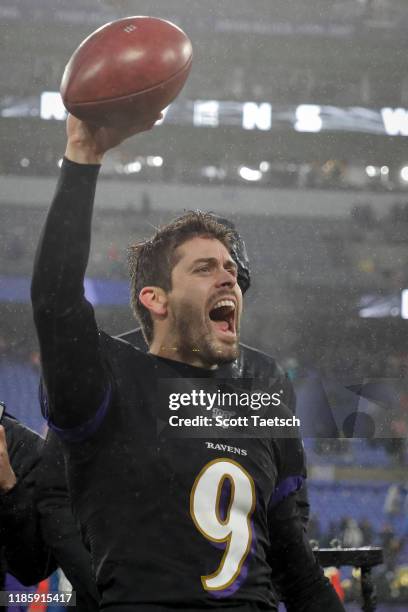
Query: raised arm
pixel 76 386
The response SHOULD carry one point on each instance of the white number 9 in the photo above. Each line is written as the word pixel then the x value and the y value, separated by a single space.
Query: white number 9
pixel 235 528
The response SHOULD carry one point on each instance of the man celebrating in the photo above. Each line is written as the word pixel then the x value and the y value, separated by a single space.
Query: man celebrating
pixel 171 522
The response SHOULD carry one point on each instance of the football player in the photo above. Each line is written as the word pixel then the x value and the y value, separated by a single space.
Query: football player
pixel 173 520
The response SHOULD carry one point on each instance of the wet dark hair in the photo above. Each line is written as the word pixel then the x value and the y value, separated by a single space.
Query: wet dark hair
pixel 239 254
pixel 151 262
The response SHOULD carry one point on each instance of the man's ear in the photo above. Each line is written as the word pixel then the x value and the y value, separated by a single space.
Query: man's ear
pixel 155 300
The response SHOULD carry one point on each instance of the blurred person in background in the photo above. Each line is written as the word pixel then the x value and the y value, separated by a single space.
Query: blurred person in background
pixel 391 545
pixel 314 530
pixel 38 531
pixel 393 503
pixel 22 550
pixel 367 531
pixel 59 528
pixel 352 536
pixel 332 533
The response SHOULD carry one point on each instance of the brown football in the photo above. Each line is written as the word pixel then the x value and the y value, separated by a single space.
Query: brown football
pixel 127 70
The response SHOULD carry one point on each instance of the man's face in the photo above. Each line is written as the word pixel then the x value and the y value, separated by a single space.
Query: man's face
pixel 205 303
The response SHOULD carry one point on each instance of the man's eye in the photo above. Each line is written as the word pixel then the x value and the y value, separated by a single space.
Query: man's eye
pixel 232 271
pixel 203 269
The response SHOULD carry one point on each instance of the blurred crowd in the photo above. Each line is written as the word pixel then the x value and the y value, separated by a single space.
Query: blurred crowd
pixel 350 533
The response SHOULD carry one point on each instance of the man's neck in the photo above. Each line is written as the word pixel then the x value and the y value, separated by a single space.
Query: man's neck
pixel 191 358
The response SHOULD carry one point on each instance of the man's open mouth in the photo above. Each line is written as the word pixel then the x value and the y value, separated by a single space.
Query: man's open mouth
pixel 222 316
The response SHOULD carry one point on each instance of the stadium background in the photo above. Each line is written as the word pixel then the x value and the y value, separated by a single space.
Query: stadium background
pixel 294 123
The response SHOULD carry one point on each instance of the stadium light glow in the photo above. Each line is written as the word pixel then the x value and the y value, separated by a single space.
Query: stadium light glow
pixel 135 166
pixel 51 106
pixel 164 113
pixel 154 160
pixel 404 303
pixel 371 171
pixel 212 172
pixel 248 174
pixel 404 174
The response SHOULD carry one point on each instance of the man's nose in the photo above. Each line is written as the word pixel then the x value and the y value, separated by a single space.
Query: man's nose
pixel 226 278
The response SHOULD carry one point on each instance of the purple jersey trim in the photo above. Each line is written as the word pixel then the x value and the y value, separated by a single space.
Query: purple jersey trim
pixel 80 432
pixel 243 574
pixel 285 488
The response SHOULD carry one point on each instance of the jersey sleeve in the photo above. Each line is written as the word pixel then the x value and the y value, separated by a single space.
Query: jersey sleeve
pixel 295 571
pixel 76 386
pixel 58 525
pixel 302 496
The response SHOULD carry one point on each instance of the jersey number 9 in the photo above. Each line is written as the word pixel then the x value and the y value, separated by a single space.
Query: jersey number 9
pixel 234 528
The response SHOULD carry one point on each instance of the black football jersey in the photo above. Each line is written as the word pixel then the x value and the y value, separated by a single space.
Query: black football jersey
pixel 169 517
